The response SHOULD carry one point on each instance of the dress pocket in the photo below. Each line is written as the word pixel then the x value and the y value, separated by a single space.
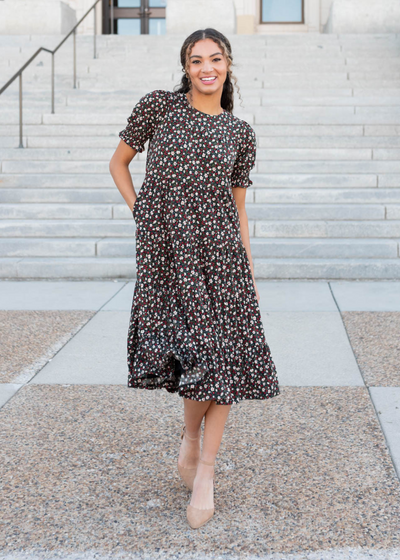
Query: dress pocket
pixel 135 207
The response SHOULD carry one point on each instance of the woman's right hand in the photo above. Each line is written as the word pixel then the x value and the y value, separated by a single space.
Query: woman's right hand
pixel 119 169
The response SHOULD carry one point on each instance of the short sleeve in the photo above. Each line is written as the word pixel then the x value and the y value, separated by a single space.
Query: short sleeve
pixel 146 115
pixel 245 159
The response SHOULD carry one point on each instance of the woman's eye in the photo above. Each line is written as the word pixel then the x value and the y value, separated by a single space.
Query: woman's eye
pixel 215 59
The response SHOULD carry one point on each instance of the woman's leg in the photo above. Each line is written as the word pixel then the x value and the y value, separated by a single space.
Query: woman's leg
pixel 194 411
pixel 214 425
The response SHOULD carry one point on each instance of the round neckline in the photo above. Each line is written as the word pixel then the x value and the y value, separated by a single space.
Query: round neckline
pixel 201 112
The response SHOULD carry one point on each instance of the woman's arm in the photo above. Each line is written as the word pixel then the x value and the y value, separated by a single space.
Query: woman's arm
pixel 119 169
pixel 240 197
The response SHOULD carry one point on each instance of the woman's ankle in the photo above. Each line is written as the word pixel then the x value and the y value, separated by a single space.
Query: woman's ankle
pixel 207 460
pixel 205 471
pixel 192 435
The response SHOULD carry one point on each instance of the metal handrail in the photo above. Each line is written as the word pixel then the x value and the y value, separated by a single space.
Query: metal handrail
pixel 52 52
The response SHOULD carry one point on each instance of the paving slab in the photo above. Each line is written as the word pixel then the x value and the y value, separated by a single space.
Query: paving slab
pixel 375 339
pixel 93 469
pixel 96 355
pixel 311 349
pixel 57 294
pixel 274 296
pixel 30 338
pixel 295 296
pixel 8 390
pixel 122 300
pixel 367 296
pixel 387 404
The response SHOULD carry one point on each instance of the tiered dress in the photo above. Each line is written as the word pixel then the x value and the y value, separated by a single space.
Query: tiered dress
pixel 195 325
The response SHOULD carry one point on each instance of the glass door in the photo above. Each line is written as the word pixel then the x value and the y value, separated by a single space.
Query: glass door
pixel 134 17
pixel 282 11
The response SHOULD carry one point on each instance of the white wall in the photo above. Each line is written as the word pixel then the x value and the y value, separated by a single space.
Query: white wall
pixel 364 16
pixel 40 17
pixel 80 7
pixel 185 16
pixel 46 17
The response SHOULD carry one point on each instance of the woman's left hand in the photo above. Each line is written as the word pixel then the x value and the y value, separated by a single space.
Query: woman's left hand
pixel 257 294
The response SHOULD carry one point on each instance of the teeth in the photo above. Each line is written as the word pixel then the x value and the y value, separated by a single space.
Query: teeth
pixel 207 79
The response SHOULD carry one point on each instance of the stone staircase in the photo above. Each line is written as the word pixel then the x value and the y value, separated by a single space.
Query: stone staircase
pixel 325 200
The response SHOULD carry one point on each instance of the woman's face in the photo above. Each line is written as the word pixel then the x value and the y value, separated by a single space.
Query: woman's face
pixel 207 61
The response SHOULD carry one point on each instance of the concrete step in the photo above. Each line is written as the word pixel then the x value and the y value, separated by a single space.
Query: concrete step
pixel 339 130
pixel 56 180
pixel 115 118
pixel 270 154
pixel 269 268
pixel 254 98
pixel 259 211
pixel 314 196
pixel 343 143
pixel 79 108
pixel 64 130
pixel 321 166
pixel 329 229
pixel 56 195
pixel 261 129
pixel 67 267
pixel 260 248
pixel 76 167
pixel 257 228
pixel 260 180
pixel 380 196
pixel 314 269
pixel 67 228
pixel 262 166
pixel 44 247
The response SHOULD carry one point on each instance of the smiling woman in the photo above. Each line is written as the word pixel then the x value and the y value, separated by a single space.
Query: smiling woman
pixel 195 326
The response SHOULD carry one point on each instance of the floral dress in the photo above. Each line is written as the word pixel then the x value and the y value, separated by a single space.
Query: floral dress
pixel 195 325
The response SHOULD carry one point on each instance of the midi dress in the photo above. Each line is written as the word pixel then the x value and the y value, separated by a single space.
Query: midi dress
pixel 195 326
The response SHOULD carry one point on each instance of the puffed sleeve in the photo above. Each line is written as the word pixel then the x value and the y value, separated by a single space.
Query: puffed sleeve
pixel 245 159
pixel 146 115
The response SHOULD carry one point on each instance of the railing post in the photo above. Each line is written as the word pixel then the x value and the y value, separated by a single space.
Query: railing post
pixel 20 111
pixel 95 31
pixel 52 82
pixel 74 58
pixel 112 17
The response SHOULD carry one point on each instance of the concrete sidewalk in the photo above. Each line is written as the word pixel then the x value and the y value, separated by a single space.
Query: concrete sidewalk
pixel 88 465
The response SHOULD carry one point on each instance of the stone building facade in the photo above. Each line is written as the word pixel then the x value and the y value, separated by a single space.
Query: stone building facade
pixel 180 16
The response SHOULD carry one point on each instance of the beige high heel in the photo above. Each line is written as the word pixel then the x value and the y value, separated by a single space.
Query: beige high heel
pixel 197 516
pixel 187 474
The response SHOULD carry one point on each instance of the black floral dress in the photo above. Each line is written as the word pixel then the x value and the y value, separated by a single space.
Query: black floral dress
pixel 195 325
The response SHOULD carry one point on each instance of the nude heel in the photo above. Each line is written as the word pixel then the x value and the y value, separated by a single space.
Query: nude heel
pixel 196 516
pixel 186 474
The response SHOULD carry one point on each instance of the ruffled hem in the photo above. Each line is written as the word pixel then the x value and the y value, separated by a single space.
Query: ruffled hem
pixel 155 363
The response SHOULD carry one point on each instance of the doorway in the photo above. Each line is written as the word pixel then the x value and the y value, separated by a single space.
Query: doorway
pixel 134 17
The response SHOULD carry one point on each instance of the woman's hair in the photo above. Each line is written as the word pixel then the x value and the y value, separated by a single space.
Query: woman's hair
pixel 225 46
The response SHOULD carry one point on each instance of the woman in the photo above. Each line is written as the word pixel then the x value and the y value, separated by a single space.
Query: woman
pixel 195 325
